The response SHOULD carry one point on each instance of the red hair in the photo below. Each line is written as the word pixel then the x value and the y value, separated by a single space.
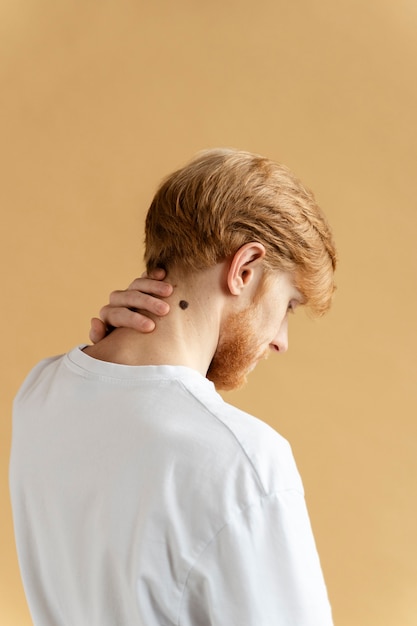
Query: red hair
pixel 204 212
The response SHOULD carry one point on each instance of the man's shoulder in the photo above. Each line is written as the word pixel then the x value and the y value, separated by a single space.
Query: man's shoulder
pixel 262 448
pixel 269 452
pixel 36 373
pixel 248 427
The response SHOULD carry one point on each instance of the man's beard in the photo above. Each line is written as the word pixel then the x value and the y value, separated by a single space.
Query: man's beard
pixel 237 352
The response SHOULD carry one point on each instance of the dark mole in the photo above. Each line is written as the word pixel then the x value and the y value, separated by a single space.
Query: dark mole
pixel 184 305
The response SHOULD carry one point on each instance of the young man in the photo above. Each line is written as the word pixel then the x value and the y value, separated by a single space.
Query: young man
pixel 139 495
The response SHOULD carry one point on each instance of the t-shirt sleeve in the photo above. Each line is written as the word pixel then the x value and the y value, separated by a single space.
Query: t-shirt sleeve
pixel 261 569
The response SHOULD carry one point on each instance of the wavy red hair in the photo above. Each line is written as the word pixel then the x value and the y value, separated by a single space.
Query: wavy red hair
pixel 204 212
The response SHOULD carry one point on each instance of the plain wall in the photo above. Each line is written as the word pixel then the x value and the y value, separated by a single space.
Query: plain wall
pixel 100 99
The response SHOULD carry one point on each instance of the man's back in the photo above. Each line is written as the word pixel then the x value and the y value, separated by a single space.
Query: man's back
pixel 140 497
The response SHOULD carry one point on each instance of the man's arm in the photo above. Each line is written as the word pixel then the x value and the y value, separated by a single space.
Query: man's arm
pixel 127 308
pixel 261 569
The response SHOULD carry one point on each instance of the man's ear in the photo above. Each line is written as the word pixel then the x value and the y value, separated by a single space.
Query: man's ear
pixel 243 266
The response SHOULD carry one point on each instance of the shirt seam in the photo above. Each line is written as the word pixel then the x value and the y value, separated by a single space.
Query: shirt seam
pixel 229 522
pixel 260 483
pixel 84 372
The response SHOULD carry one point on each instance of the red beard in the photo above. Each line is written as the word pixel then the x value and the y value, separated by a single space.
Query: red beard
pixel 237 352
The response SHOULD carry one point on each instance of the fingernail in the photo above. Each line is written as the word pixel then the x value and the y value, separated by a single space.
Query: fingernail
pixel 163 308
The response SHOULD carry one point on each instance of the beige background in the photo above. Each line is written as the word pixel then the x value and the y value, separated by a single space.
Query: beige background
pixel 101 99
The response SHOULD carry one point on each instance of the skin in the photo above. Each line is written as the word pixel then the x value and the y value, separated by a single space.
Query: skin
pixel 234 318
pixel 124 308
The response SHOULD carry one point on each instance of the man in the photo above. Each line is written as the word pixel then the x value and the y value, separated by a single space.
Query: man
pixel 139 495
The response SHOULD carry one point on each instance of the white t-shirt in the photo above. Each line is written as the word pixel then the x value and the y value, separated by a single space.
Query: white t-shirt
pixel 141 498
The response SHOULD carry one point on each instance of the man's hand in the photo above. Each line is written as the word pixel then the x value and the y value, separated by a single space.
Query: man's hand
pixel 123 308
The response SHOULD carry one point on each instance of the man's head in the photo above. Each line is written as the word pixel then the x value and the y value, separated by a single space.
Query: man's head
pixel 205 212
pixel 253 219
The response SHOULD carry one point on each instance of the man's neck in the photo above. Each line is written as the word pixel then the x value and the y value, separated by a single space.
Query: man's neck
pixel 187 336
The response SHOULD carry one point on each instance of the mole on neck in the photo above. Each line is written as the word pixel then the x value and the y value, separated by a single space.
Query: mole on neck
pixel 183 304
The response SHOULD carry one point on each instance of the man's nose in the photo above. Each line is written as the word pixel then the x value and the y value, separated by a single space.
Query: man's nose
pixel 280 342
